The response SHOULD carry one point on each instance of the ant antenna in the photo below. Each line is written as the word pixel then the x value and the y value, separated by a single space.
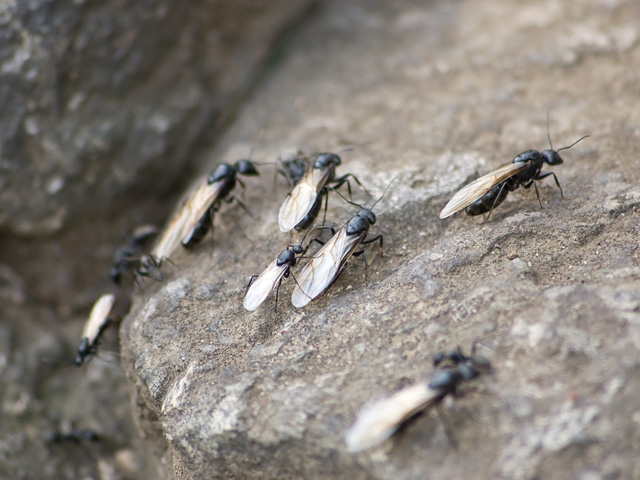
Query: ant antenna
pixel 353 146
pixel 548 135
pixel 565 148
pixel 384 193
pixel 350 202
pixel 375 203
pixel 310 229
pixel 257 163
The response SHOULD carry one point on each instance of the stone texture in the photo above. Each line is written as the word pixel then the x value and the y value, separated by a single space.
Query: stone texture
pixel 443 91
pixel 105 107
pixel 103 101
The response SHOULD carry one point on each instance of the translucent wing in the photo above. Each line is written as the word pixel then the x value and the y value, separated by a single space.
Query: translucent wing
pixel 262 286
pixel 324 267
pixel 98 317
pixel 302 197
pixel 380 420
pixel 185 219
pixel 203 199
pixel 479 187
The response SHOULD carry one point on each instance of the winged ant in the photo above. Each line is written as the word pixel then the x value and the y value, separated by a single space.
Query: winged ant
pixel 127 255
pixel 380 420
pixel 312 178
pixel 329 262
pixel 194 219
pixel 260 286
pixel 490 190
pixel 98 321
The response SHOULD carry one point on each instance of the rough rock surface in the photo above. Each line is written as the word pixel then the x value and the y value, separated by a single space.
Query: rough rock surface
pixel 105 105
pixel 94 94
pixel 444 91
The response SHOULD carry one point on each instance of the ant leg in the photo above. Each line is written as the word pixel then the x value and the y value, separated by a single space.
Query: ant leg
pixel 546 174
pixel 244 207
pixel 277 294
pixel 251 279
pixel 211 216
pixel 366 265
pixel 326 205
pixel 535 186
pixel 299 286
pixel 495 200
pixel 343 179
pixel 374 239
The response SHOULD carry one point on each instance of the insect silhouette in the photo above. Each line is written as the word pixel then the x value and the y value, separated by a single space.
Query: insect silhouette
pixel 303 203
pixel 293 167
pixel 95 325
pixel 220 184
pixel 194 219
pixel 260 286
pixel 490 190
pixel 380 420
pixel 127 255
pixel 329 262
pixel 75 436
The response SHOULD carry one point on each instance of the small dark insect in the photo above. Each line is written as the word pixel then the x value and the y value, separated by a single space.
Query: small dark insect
pixel 194 219
pixel 454 356
pixel 489 191
pixel 293 167
pixel 95 325
pixel 329 262
pixel 271 277
pixel 222 181
pixel 76 436
pixel 127 255
pixel 380 420
pixel 303 203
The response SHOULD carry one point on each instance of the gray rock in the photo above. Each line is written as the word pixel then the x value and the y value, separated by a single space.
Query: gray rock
pixel 102 103
pixel 105 108
pixel 446 91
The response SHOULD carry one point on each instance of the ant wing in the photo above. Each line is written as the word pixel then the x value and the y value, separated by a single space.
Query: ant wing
pixel 324 267
pixel 202 200
pixel 302 197
pixel 379 421
pixel 471 192
pixel 184 221
pixel 263 285
pixel 98 317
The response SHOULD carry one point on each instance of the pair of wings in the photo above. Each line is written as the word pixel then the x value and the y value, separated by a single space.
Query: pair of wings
pixel 324 267
pixel 184 221
pixel 380 420
pixel 263 285
pixel 98 317
pixel 476 189
pixel 302 197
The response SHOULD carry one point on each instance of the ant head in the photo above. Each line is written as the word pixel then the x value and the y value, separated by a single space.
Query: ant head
pixel 325 160
pixel 361 222
pixel 287 256
pixel 222 171
pixel 246 167
pixel 294 167
pixel 446 379
pixel 467 371
pixel 551 157
pixel 297 249
pixel 368 214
